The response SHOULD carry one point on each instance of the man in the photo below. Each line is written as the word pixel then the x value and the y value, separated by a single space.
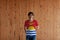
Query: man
pixel 30 26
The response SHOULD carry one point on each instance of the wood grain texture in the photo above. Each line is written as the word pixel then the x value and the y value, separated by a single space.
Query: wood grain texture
pixel 13 13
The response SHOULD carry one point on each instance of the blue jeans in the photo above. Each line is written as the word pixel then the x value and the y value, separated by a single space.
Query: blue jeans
pixel 31 37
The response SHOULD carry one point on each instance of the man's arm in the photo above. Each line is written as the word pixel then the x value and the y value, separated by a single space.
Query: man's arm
pixel 25 28
pixel 37 26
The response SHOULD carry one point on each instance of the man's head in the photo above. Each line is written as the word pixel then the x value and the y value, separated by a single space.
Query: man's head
pixel 30 15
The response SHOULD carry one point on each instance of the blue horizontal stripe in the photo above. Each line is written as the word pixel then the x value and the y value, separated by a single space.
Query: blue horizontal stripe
pixel 30 33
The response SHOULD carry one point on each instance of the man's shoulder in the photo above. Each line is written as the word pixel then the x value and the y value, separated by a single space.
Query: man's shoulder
pixel 26 20
pixel 35 20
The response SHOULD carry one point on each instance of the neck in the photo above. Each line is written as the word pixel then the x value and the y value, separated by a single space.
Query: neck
pixel 31 20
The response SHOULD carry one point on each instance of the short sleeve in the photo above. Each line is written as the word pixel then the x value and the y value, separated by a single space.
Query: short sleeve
pixel 25 24
pixel 36 23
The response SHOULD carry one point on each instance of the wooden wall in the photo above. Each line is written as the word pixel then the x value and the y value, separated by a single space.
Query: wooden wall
pixel 13 13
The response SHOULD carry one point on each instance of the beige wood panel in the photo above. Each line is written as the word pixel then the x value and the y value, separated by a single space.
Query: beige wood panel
pixel 13 13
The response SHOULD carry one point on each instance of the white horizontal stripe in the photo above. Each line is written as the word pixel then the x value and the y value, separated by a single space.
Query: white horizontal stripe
pixel 30 32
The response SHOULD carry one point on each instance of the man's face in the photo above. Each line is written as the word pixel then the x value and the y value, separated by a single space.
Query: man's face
pixel 31 16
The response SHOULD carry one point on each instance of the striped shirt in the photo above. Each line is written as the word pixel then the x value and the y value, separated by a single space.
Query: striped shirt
pixel 31 27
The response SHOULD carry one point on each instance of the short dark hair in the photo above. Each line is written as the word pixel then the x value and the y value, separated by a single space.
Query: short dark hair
pixel 30 13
